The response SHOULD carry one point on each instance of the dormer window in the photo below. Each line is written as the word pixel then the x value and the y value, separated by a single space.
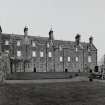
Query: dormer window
pixel 18 43
pixel 33 44
pixel 60 48
pixel 76 49
pixel 88 48
pixel 6 42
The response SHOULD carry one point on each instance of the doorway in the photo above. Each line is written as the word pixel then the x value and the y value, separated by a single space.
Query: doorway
pixel 66 70
pixel 34 68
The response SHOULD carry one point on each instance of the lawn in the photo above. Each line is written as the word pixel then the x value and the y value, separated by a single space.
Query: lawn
pixel 72 93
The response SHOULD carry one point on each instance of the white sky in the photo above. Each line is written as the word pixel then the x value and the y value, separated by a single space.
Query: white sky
pixel 68 17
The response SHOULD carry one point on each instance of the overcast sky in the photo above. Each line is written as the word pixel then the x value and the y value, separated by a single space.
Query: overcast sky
pixel 67 17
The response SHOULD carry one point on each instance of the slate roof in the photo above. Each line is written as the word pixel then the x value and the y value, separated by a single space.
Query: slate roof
pixel 68 44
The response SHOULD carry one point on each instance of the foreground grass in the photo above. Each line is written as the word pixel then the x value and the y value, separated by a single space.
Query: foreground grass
pixel 73 93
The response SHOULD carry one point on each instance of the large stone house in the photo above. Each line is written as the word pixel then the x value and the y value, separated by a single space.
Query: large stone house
pixel 45 54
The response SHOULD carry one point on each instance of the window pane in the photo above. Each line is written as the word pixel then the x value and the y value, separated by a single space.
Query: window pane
pixel 60 48
pixel 34 54
pixel 7 51
pixel 88 49
pixel 50 54
pixel 41 54
pixel 61 59
pixel 76 59
pixel 6 42
pixel 33 43
pixel 89 59
pixel 18 43
pixel 76 49
pixel 18 53
pixel 68 59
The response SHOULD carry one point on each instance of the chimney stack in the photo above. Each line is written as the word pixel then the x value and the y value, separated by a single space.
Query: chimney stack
pixel 77 39
pixel 26 31
pixel 91 40
pixel 51 34
pixel 0 29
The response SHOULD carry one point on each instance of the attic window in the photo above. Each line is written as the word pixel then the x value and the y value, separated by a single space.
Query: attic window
pixel 76 49
pixel 18 43
pixel 60 48
pixel 6 42
pixel 88 48
pixel 33 44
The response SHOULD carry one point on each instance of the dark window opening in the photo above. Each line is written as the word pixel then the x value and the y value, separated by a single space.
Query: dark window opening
pixel 90 70
pixel 34 69
pixel 66 70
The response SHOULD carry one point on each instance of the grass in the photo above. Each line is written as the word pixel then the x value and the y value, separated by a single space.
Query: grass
pixel 73 93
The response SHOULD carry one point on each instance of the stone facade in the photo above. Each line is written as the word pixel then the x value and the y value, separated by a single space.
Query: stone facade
pixel 45 54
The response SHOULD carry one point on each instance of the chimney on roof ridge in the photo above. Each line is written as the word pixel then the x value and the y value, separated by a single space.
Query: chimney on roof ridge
pixel 0 29
pixel 51 34
pixel 26 31
pixel 91 40
pixel 77 39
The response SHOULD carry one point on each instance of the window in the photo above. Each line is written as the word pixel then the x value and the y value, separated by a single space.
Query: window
pixel 89 59
pixel 61 59
pixel 7 51
pixel 68 59
pixel 76 49
pixel 33 54
pixel 18 43
pixel 41 54
pixel 48 45
pixel 49 54
pixel 60 48
pixel 77 59
pixel 33 44
pixel 6 42
pixel 18 53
